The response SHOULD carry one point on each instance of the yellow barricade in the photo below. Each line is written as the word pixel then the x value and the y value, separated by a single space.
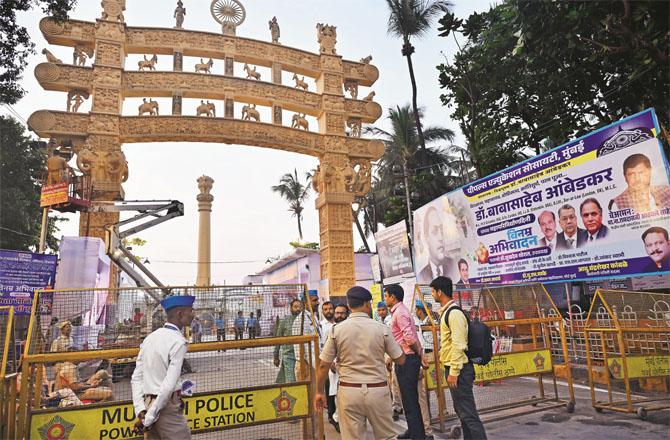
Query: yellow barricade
pixel 628 342
pixel 529 342
pixel 7 373
pixel 237 388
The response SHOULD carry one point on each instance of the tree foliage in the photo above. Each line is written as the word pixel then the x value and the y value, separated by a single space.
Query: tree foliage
pixel 529 75
pixel 22 163
pixel 413 19
pixel 430 170
pixel 16 45
pixel 295 193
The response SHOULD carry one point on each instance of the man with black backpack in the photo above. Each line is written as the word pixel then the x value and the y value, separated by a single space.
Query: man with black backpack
pixel 458 368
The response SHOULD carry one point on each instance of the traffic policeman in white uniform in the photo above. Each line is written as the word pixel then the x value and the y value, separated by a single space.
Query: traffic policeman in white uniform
pixel 156 382
pixel 359 344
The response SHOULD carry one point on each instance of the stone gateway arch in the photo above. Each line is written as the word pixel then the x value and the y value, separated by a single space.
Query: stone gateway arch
pixel 344 172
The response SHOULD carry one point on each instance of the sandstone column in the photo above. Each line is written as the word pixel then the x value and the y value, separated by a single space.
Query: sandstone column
pixel 205 200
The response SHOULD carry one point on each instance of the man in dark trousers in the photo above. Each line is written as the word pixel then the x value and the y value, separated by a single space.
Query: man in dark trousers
pixel 404 333
pixel 458 370
pixel 156 382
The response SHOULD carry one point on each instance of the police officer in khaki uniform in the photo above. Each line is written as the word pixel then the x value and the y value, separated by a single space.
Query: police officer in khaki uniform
pixel 359 344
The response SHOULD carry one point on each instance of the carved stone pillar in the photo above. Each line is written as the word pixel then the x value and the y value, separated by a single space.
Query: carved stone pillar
pixel 101 156
pixel 176 103
pixel 205 200
pixel 276 72
pixel 333 180
pixel 178 60
pixel 277 114
pixel 333 117
pixel 229 66
pixel 229 108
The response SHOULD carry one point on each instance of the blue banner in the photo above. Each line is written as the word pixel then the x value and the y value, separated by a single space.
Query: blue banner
pixel 21 273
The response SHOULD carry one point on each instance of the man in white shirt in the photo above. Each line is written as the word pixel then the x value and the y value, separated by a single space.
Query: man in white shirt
pixel 307 323
pixel 156 383
pixel 327 324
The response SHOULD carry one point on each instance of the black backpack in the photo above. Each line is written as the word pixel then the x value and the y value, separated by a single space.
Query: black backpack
pixel 480 341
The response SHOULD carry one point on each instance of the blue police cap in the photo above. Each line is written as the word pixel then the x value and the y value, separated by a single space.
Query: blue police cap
pixel 381 304
pixel 419 305
pixel 359 293
pixel 177 301
pixel 313 292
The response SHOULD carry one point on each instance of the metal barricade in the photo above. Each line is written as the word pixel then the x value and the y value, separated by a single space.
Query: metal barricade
pixel 628 337
pixel 237 391
pixel 528 329
pixel 7 372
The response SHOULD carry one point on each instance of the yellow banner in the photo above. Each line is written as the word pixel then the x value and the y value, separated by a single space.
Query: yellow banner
pixel 502 366
pixel 640 366
pixel 207 412
pixel 54 194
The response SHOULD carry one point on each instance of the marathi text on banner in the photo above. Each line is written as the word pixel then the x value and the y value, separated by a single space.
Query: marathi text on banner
pixel 597 207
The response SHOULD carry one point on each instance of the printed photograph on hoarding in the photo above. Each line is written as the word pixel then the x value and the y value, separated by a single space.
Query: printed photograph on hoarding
pixel 394 252
pixel 596 207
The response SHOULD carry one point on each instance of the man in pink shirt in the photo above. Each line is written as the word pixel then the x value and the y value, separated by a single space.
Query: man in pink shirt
pixel 404 332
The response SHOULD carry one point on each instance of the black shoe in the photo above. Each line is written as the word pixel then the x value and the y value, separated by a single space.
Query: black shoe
pixel 335 425
pixel 396 415
pixel 404 435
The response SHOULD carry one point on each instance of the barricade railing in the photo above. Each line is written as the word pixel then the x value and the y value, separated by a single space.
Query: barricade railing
pixel 519 318
pixel 628 342
pixel 7 372
pixel 238 392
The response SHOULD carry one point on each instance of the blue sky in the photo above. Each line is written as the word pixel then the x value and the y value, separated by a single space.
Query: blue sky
pixel 249 222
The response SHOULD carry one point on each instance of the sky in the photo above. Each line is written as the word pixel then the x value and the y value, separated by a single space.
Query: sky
pixel 250 223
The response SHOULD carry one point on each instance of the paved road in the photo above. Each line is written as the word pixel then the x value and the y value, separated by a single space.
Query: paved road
pixel 253 367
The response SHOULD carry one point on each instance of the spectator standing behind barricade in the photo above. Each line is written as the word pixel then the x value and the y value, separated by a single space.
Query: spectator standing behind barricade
pixel 284 355
pixel 359 345
pixel 156 383
pixel 341 313
pixel 426 341
pixel 251 325
pixel 196 330
pixel 404 333
pixel 51 333
pixel 239 326
pixel 307 323
pixel 220 324
pixel 458 370
pixel 64 340
pixel 137 316
pixel 327 323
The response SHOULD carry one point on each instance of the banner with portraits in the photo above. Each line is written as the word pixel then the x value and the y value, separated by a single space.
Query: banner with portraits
pixel 596 207
pixel 393 249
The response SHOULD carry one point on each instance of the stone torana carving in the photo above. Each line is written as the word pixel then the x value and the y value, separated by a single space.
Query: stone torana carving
pixel 300 83
pixel 354 125
pixel 80 54
pixel 326 35
pixel 203 67
pixel 207 109
pixel 148 63
pixel 366 60
pixel 103 166
pixel 352 88
pixel 274 29
pixel 74 100
pixel 362 180
pixel 252 74
pixel 51 57
pixel 179 13
pixel 113 10
pixel 299 122
pixel 150 107
pixel 250 112
pixel 370 96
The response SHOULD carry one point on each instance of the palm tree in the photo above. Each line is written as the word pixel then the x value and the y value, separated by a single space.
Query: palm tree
pixel 430 168
pixel 413 18
pixel 295 193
